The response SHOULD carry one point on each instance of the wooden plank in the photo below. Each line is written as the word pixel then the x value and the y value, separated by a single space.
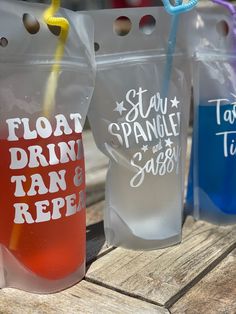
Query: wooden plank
pixel 162 276
pixel 214 294
pixel 84 298
pixel 96 246
pixel 95 194
pixel 96 165
pixel 96 168
pixel 95 162
pixel 94 158
pixel 95 213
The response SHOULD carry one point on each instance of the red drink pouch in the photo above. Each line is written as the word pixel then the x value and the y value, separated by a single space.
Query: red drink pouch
pixel 42 194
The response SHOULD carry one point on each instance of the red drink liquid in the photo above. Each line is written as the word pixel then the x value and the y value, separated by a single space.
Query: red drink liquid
pixel 51 240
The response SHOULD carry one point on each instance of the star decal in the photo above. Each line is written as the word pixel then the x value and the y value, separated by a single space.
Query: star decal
pixel 168 142
pixel 120 107
pixel 144 148
pixel 175 103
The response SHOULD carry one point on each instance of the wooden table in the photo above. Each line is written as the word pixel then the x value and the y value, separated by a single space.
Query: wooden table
pixel 198 276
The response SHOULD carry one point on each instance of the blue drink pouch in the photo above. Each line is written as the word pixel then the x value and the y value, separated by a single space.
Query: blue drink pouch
pixel 211 192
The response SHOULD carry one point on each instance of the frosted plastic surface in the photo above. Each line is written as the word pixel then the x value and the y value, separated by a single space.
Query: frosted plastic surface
pixel 142 131
pixel 25 65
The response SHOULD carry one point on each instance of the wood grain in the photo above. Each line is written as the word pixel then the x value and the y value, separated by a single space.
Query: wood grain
pixel 94 195
pixel 96 246
pixel 162 276
pixel 95 163
pixel 83 298
pixel 214 294
pixel 95 213
pixel 96 167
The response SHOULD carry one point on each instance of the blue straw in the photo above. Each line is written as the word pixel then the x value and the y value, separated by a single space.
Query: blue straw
pixel 170 52
pixel 175 11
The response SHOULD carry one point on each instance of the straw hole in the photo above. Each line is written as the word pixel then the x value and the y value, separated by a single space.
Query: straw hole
pixel 222 28
pixel 96 47
pixel 55 30
pixel 147 24
pixel 3 42
pixel 31 24
pixel 122 26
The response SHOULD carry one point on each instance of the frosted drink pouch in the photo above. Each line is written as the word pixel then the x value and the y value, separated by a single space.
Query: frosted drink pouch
pixel 139 127
pixel 212 190
pixel 45 88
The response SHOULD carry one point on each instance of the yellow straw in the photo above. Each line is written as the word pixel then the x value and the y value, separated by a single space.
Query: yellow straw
pixel 51 87
pixel 49 99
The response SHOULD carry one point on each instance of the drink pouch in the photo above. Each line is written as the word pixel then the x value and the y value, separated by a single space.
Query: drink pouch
pixel 141 129
pixel 42 195
pixel 211 188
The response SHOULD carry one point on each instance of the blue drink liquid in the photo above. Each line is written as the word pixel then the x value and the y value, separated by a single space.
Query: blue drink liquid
pixel 212 177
